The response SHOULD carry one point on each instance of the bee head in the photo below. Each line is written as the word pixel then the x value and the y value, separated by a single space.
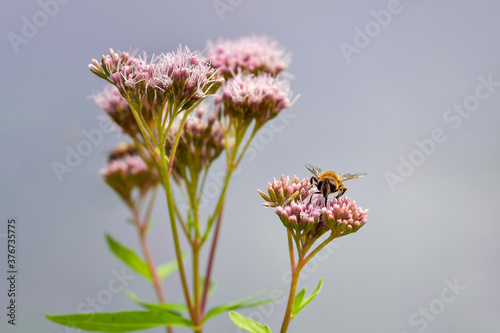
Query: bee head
pixel 326 187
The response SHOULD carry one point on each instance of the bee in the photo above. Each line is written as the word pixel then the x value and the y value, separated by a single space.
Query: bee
pixel 330 182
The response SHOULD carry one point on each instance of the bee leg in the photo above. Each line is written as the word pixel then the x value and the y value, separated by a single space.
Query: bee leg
pixel 310 198
pixel 341 191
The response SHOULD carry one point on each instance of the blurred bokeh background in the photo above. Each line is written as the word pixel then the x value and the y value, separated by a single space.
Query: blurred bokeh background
pixel 376 79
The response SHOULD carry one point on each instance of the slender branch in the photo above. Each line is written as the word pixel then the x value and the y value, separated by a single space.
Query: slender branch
pixel 290 249
pixel 168 116
pixel 322 245
pixel 142 128
pixel 171 210
pixel 231 166
pixel 149 131
pixel 203 180
pixel 176 142
pixel 246 147
pixel 142 228
pixel 218 208
pixel 196 280
pixel 147 216
pixel 302 261
pixel 193 201
pixel 297 243
pixel 174 148
pixel 291 296
pixel 182 223
pixel 210 265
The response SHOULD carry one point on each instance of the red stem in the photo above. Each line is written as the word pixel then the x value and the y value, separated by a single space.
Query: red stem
pixel 206 287
pixel 149 259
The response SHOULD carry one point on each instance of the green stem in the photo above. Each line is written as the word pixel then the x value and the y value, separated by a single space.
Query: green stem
pixel 147 216
pixel 203 180
pixel 174 148
pixel 142 229
pixel 302 261
pixel 321 246
pixel 290 248
pixel 231 166
pixel 193 201
pixel 220 203
pixel 291 296
pixel 196 245
pixel 145 132
pixel 168 117
pixel 171 210
pixel 246 147
pixel 182 223
pixel 176 142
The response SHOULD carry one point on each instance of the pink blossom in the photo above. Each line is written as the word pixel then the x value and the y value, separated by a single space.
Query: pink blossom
pixel 253 54
pixel 282 191
pixel 247 97
pixel 302 210
pixel 126 171
pixel 201 142
pixel 181 77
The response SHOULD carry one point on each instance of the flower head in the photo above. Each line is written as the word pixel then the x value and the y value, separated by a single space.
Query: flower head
pixel 127 171
pixel 181 77
pixel 253 54
pixel 117 107
pixel 282 191
pixel 247 97
pixel 184 77
pixel 342 216
pixel 201 142
pixel 304 212
pixel 302 218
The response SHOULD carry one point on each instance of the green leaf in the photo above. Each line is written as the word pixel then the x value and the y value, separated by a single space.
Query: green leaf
pixel 166 269
pixel 243 303
pixel 174 307
pixel 129 257
pixel 297 307
pixel 211 286
pixel 121 321
pixel 298 302
pixel 248 324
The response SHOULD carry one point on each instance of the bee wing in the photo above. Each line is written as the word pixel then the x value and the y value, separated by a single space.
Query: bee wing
pixel 347 176
pixel 314 169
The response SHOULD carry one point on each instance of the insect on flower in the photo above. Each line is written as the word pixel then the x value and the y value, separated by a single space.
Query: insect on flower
pixel 330 182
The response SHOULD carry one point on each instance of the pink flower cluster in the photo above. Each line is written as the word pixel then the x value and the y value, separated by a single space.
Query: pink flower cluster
pixel 181 77
pixel 117 107
pixel 302 218
pixel 247 97
pixel 201 142
pixel 127 166
pixel 253 54
pixel 343 216
pixel 282 191
pixel 126 171
pixel 303 211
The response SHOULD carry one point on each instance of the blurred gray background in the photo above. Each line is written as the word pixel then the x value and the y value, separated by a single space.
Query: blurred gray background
pixel 426 261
